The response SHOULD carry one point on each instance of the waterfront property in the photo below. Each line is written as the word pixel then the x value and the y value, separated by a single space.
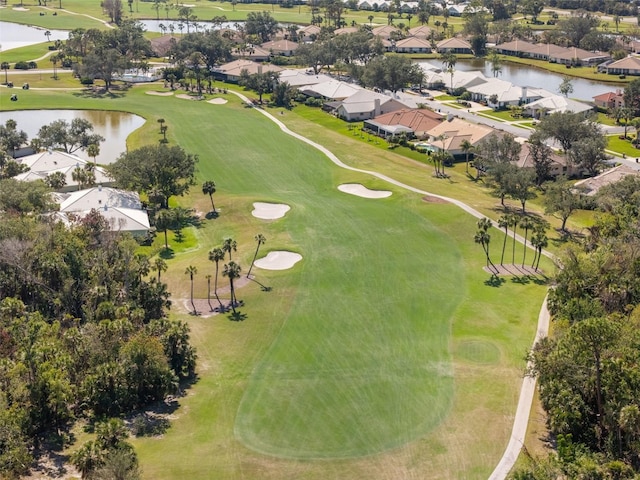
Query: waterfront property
pixel 554 104
pixel 551 53
pixel 454 45
pixel 609 100
pixel 625 66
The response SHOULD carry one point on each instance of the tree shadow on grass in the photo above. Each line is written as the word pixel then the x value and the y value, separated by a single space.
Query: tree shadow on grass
pixel 167 253
pixel 91 93
pixel 212 215
pixel 264 288
pixel 237 316
pixel 494 281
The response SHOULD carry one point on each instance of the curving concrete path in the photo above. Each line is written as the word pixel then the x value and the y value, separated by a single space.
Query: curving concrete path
pixel 527 391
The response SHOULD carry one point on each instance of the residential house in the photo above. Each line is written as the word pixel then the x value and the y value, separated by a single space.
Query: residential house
pixel 450 134
pixel 421 31
pixel 453 45
pixel 610 100
pixel 308 33
pixel 365 104
pixel 385 31
pixel 302 78
pixel 592 185
pixel 626 66
pixel 282 47
pixel 331 90
pixel 231 72
pixel 414 122
pixel 252 52
pixel 435 77
pixel 413 45
pixel 122 209
pixel 344 30
pixel 555 103
pixel 560 164
pixel 45 163
pixel 506 93
pixel 551 53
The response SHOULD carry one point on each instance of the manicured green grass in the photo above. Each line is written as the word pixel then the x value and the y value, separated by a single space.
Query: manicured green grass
pixel 42 80
pixel 28 53
pixel 615 144
pixel 502 115
pixel 61 21
pixel 357 350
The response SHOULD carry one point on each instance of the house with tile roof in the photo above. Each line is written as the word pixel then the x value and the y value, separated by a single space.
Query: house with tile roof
pixel 453 45
pixel 450 134
pixel 609 100
pixel 421 31
pixel 231 72
pixel 414 122
pixel 625 66
pixel 385 31
pixel 282 47
pixel 413 45
pixel 592 185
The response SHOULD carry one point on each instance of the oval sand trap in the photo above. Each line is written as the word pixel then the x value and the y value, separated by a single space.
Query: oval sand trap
pixel 269 211
pixel 362 191
pixel 217 101
pixel 184 96
pixel 278 260
pixel 159 94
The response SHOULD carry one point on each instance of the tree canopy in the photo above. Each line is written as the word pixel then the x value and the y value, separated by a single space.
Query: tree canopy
pixel 159 170
pixel 69 137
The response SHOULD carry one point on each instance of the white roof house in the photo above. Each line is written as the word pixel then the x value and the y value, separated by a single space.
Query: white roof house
pixel 98 197
pixel 300 78
pixel 506 92
pixel 120 208
pixel 45 163
pixel 557 103
pixel 434 75
pixel 331 90
pixel 366 104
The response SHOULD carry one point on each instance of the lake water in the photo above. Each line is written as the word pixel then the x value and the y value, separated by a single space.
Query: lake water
pixel 115 127
pixel 525 76
pixel 14 35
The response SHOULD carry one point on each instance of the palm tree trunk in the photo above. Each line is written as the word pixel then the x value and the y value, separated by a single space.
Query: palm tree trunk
pixel 504 245
pixel 254 259
pixel 215 289
pixel 166 245
pixel 539 255
pixel 233 300
pixel 524 249
pixel 192 304
pixel 212 205
pixel 513 249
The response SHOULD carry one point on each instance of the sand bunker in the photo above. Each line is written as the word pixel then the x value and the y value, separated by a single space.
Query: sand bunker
pixel 188 97
pixel 278 260
pixel 269 211
pixel 20 9
pixel 217 101
pixel 160 94
pixel 362 191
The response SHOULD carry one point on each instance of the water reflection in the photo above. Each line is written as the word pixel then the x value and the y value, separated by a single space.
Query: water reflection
pixel 523 75
pixel 115 127
pixel 14 35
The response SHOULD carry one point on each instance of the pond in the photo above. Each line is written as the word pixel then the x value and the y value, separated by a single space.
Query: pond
pixel 14 35
pixel 525 76
pixel 115 127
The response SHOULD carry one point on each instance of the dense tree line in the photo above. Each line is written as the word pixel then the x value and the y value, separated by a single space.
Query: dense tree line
pixel 588 371
pixel 83 327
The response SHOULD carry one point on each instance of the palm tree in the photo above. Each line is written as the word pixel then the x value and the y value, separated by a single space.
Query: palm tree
pixel 527 224
pixel 54 59
pixel 160 266
pixel 5 66
pixel 260 239
pixel 228 245
pixel 504 222
pixel 232 271
pixel 93 151
pixel 216 255
pixel 209 188
pixel 466 147
pixel 370 17
pixel 514 222
pixel 208 277
pixel 48 35
pixel 191 271
pixel 164 220
pixel 483 238
pixel 449 61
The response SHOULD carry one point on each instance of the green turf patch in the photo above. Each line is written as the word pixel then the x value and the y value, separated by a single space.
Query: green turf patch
pixel 478 351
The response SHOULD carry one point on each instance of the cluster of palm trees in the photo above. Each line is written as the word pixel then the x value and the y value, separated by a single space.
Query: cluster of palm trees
pixel 513 221
pixel 231 270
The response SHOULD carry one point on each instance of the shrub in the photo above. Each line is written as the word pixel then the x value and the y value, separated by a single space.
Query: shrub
pixel 21 66
pixel 86 81
pixel 313 102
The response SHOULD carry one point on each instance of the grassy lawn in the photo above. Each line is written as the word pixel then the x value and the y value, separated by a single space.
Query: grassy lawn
pixel 615 144
pixel 400 351
pixel 502 115
pixel 28 53
pixel 41 80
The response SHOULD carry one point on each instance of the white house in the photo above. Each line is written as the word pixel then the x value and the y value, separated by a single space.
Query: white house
pixel 331 90
pixel 556 103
